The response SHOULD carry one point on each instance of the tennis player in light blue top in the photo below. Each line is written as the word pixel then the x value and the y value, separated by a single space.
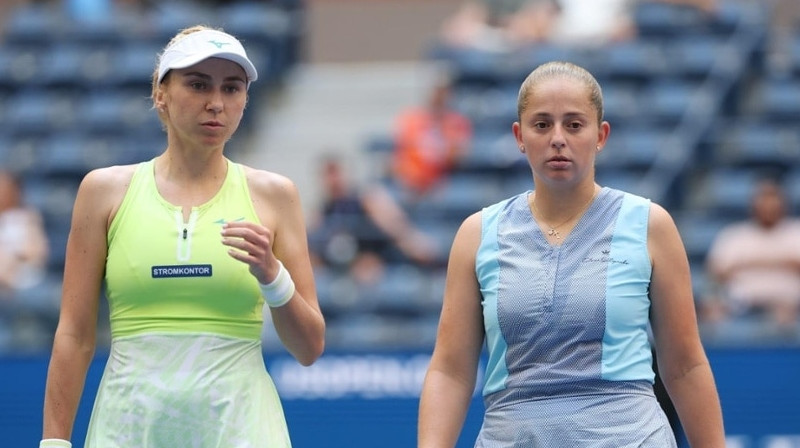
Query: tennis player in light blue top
pixel 190 246
pixel 563 285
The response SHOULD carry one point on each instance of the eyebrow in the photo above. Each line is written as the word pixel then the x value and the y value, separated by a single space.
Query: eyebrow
pixel 234 78
pixel 567 115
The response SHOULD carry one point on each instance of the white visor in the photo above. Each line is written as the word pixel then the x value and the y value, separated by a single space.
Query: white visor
pixel 201 45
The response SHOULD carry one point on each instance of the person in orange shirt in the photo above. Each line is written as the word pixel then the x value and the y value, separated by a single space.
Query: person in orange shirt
pixel 429 141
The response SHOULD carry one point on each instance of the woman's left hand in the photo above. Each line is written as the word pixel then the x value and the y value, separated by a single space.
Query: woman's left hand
pixel 251 243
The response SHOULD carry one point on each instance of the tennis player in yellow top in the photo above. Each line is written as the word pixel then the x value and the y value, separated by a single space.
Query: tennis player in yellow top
pixel 190 246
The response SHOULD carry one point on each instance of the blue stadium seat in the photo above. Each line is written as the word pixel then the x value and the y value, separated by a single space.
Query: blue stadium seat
pixel 54 197
pixel 369 331
pixel 266 30
pixel 401 291
pixel 119 112
pixel 517 182
pixel 668 100
pixel 7 82
pixel 621 103
pixel 174 16
pixel 20 154
pixel 630 180
pixel 460 195
pixel 636 60
pixel 778 99
pixel 65 65
pixel 698 230
pixel 474 66
pixel 758 144
pixel 134 62
pixel 635 147
pixel 666 20
pixel 20 65
pixel 489 109
pixel 73 154
pixel 794 53
pixel 492 151
pixel 792 187
pixel 40 111
pixel 727 191
pixel 693 57
pixel 337 292
pixel 32 23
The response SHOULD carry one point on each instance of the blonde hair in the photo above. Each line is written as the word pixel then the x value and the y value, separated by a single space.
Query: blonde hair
pixel 561 70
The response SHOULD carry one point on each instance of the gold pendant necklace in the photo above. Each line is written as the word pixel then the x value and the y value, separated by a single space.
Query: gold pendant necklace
pixel 553 230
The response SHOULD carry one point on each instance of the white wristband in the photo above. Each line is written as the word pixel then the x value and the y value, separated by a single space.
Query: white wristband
pixel 279 291
pixel 55 443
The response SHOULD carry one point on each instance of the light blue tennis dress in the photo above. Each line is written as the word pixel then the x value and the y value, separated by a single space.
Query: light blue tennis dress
pixel 569 363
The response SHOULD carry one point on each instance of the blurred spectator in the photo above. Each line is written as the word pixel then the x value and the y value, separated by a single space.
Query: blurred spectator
pixel 503 25
pixel 23 241
pixel 429 140
pixel 498 24
pixel 754 266
pixel 23 264
pixel 357 229
pixel 594 23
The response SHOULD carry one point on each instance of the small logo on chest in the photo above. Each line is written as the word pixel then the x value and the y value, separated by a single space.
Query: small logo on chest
pixel 605 257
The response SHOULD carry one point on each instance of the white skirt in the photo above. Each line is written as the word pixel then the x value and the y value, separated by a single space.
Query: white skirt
pixel 186 391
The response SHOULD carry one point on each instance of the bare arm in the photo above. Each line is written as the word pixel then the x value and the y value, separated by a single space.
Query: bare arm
pixel 75 338
pixel 451 376
pixel 683 365
pixel 282 236
pixel 392 219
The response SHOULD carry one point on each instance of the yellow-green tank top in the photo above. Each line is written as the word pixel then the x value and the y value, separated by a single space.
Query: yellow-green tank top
pixel 164 274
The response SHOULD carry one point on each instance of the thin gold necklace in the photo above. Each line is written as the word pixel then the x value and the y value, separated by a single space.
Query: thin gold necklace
pixel 554 229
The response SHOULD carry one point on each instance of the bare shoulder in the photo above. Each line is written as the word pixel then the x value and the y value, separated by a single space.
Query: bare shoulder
pixel 102 189
pixel 109 180
pixel 472 223
pixel 270 185
pixel 661 220
pixel 469 233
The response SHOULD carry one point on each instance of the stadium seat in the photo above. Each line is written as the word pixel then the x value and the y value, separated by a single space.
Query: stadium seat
pixel 777 99
pixel 621 104
pixel 635 147
pixel 694 57
pixel 32 24
pixel 794 54
pixel 460 195
pixel 698 230
pixel 727 191
pixel 492 151
pixel 630 180
pixel 400 292
pixel 266 30
pixel 668 100
pixel 119 112
pixel 792 187
pixel 666 20
pixel 134 62
pixel 757 144
pixel 636 60
pixel 64 65
pixel 40 111
pixel 73 154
